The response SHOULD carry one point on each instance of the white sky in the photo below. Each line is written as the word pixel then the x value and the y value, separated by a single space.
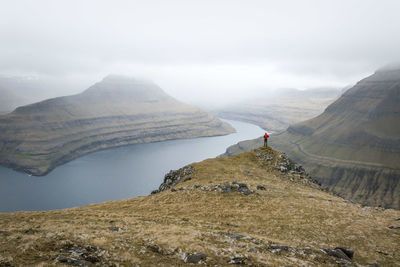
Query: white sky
pixel 201 51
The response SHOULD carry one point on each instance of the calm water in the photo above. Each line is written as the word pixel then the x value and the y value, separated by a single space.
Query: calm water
pixel 112 174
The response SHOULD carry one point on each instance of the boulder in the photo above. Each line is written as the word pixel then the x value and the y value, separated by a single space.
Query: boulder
pixel 235 236
pixel 337 253
pixel 349 252
pixel 260 187
pixel 29 231
pixel 237 260
pixel 195 258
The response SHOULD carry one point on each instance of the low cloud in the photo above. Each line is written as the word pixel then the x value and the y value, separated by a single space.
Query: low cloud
pixel 202 50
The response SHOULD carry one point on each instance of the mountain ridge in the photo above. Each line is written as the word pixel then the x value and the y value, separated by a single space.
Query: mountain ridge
pixel 114 112
pixel 353 147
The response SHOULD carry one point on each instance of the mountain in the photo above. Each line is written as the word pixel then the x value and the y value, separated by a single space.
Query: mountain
pixel 258 209
pixel 114 112
pixel 353 147
pixel 277 110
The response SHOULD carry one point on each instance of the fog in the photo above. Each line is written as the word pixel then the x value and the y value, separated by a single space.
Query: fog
pixel 202 52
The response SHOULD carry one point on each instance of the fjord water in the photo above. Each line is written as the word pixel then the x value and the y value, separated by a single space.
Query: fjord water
pixel 112 174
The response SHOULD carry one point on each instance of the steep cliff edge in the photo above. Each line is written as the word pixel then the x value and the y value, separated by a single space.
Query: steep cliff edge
pixel 114 112
pixel 353 147
pixel 258 208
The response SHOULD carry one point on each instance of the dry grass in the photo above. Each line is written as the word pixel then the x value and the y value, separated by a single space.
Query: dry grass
pixel 159 229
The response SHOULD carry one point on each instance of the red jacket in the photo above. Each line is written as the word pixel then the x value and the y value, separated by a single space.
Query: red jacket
pixel 266 136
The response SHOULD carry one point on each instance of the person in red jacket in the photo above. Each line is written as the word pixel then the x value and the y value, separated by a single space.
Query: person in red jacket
pixel 266 139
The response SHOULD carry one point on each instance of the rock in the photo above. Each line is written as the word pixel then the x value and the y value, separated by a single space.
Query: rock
pixel 73 261
pixel 226 189
pixel 337 253
pixel 237 260
pixel 153 247
pixel 80 256
pixel 260 187
pixel 30 231
pixel 394 227
pixel 244 189
pixel 114 229
pixel 349 252
pixel 252 250
pixel 278 248
pixel 283 169
pixel 195 258
pixel 173 177
pixel 235 236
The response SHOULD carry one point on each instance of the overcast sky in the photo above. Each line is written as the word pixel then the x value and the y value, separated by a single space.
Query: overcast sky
pixel 201 50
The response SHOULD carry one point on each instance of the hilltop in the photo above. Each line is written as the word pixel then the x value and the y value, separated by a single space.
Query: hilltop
pixel 353 147
pixel 117 111
pixel 257 208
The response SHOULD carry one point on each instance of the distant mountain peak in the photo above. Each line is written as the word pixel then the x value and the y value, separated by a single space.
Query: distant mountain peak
pixel 123 86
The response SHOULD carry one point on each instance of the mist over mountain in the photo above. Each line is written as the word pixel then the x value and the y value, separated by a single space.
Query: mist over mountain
pixel 116 111
pixel 18 91
pixel 275 110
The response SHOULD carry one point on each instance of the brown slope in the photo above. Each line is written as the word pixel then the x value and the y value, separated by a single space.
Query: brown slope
pixel 116 111
pixel 287 224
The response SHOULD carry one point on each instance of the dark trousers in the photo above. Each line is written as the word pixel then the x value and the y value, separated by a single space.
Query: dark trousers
pixel 265 142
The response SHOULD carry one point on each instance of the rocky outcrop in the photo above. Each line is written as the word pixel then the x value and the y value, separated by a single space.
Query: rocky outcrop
pixel 174 177
pixel 117 111
pixel 284 165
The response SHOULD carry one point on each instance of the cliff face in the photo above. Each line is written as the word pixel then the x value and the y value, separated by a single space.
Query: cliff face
pixel 353 147
pixel 276 111
pixel 256 209
pixel 114 112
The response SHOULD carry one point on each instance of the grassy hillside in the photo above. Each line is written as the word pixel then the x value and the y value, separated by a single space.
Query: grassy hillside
pixel 213 208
